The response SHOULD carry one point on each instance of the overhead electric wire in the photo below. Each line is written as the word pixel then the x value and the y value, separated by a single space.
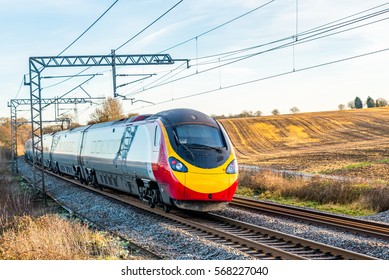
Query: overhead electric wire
pixel 217 27
pixel 361 12
pixel 309 36
pixel 217 56
pixel 306 39
pixel 20 88
pixel 204 33
pixel 82 34
pixel 140 32
pixel 168 73
pixel 267 77
pixel 315 31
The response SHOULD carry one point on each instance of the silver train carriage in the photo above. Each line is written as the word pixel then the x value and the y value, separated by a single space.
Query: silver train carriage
pixel 179 157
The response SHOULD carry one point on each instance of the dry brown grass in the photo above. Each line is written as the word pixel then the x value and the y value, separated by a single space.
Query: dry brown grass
pixel 351 143
pixel 27 233
pixel 322 191
pixel 13 200
pixel 51 237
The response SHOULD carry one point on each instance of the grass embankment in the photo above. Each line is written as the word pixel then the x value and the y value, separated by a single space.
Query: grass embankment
pixel 336 196
pixel 29 232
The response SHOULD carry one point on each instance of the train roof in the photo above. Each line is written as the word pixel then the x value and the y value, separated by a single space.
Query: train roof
pixel 183 115
pixel 168 117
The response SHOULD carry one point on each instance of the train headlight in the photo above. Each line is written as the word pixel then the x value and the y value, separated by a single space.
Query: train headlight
pixel 232 168
pixel 177 165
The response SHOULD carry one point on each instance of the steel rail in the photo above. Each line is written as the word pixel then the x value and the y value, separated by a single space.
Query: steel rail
pixel 328 250
pixel 350 224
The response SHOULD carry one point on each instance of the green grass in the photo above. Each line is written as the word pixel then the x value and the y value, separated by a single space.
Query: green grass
pixel 360 164
pixel 356 165
pixel 346 209
pixel 353 166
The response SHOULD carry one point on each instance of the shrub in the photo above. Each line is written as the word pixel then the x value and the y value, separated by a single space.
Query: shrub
pixel 376 199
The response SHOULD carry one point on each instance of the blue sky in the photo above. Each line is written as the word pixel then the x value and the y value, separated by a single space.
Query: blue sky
pixel 265 80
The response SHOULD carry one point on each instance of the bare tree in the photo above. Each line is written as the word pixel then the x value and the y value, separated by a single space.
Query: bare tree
pixel 275 112
pixel 381 102
pixel 258 113
pixel 294 110
pixel 341 107
pixel 111 109
pixel 351 104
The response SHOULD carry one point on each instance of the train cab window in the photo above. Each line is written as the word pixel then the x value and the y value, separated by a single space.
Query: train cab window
pixel 195 134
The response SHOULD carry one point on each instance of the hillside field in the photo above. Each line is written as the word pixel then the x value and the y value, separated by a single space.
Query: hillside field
pixel 352 143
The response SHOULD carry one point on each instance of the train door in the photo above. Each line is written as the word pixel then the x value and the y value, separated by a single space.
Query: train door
pixel 121 159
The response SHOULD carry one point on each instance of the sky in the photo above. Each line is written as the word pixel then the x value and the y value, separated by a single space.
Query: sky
pixel 243 54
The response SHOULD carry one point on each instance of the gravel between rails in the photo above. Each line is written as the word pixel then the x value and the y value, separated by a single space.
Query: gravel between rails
pixel 173 243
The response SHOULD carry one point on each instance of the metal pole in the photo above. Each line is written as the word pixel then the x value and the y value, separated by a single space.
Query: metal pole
pixel 114 73
pixel 12 141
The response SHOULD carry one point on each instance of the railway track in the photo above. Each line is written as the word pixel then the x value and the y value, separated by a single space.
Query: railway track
pixel 258 242
pixel 347 224
pixel 264 243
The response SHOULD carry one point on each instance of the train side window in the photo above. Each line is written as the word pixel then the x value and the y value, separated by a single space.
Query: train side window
pixel 157 135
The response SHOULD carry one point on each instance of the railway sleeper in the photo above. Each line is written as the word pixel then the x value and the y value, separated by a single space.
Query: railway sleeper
pixel 308 253
pixel 322 256
pixel 312 256
pixel 263 256
pixel 331 257
pixel 298 247
pixel 287 246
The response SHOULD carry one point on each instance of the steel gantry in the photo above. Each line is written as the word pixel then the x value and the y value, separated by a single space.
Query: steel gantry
pixel 15 103
pixel 38 64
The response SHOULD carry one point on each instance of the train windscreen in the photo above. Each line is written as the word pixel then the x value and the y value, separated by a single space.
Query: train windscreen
pixel 199 135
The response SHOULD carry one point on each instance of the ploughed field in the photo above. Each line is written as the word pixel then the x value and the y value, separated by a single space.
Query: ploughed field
pixel 352 143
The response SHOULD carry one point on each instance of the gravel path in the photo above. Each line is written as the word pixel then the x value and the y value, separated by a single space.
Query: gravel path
pixel 173 243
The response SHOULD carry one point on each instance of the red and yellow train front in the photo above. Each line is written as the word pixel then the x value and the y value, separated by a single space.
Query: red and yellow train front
pixel 197 168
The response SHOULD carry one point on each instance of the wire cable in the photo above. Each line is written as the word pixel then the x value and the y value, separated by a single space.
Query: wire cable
pixel 82 34
pixel 217 27
pixel 137 34
pixel 305 36
pixel 266 78
pixel 20 88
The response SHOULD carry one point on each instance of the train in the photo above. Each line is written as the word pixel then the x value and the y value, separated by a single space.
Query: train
pixel 179 158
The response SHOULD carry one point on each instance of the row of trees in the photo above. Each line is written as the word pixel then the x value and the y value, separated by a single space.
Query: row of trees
pixel 245 113
pixel 357 103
